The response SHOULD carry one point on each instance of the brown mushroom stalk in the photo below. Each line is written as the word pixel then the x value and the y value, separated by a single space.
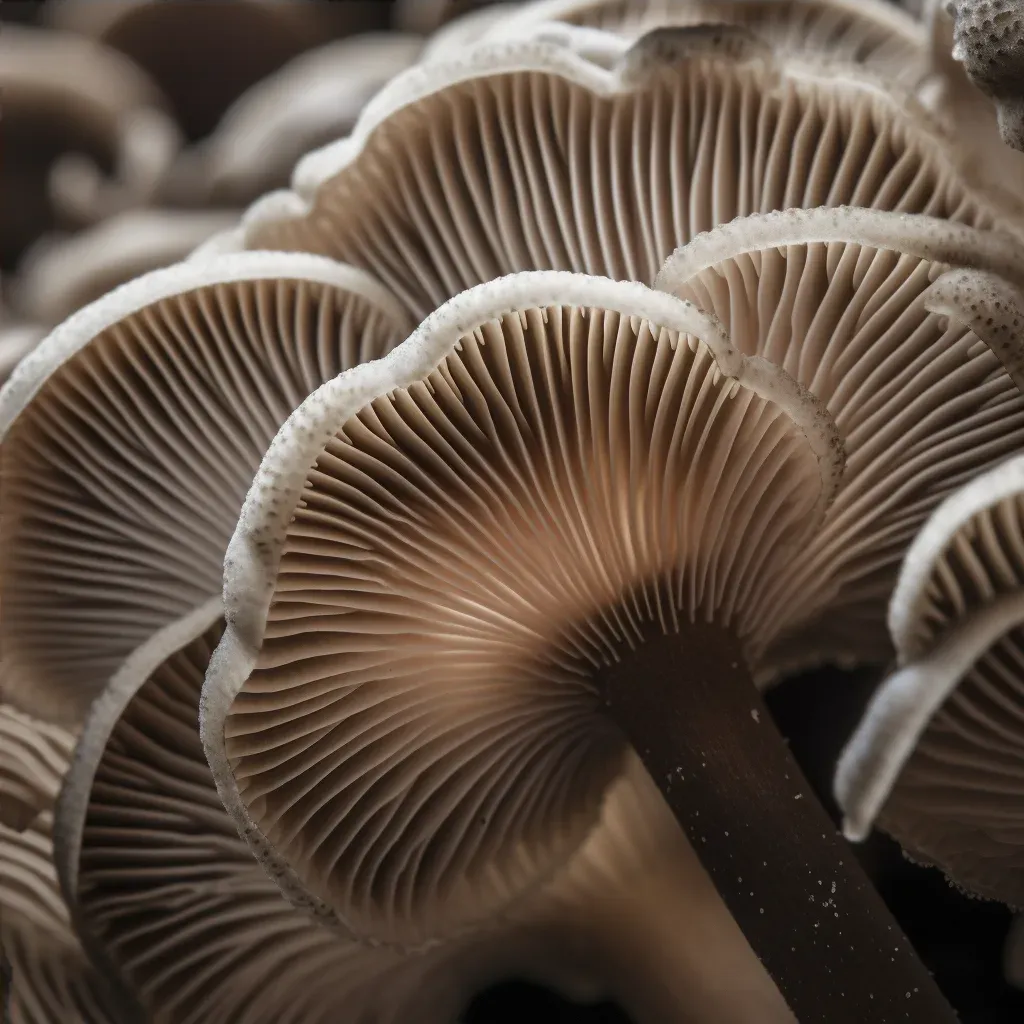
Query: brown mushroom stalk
pixel 728 776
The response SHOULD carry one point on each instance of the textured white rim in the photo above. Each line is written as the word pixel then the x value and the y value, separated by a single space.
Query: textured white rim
pixel 561 57
pixel 887 15
pixel 79 329
pixel 901 710
pixel 995 485
pixel 106 711
pixel 254 552
pixel 913 234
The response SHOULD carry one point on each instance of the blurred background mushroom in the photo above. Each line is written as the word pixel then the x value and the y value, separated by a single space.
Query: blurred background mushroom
pixel 100 184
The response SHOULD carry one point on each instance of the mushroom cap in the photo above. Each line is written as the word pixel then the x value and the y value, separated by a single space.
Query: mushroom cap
pixel 938 759
pixel 161 886
pixel 159 881
pixel 526 155
pixel 867 32
pixel 50 977
pixel 400 715
pixel 58 276
pixel 845 301
pixel 147 413
pixel 968 115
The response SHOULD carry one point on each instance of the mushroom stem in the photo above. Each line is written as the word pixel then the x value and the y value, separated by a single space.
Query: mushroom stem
pixel 690 708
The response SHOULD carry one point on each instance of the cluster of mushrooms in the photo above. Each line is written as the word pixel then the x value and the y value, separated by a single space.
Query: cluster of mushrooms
pixel 393 562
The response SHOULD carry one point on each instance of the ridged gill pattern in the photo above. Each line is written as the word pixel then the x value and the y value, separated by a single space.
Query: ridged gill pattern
pixel 124 477
pixel 527 170
pixel 420 739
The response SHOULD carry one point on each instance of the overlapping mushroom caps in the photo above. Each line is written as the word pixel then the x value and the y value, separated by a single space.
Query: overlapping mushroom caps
pixel 844 301
pixel 551 468
pixel 412 729
pixel 938 760
pixel 528 155
pixel 160 882
pixel 130 438
pixel 544 466
pixel 51 980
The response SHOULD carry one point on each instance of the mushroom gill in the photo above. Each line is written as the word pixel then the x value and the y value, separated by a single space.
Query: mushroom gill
pixel 190 924
pixel 50 980
pixel 526 155
pixel 938 759
pixel 130 436
pixel 454 560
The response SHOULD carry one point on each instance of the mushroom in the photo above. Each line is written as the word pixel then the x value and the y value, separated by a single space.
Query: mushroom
pixel 59 275
pixel 162 886
pixel 938 759
pixel 866 32
pixel 549 521
pixel 82 115
pixel 313 99
pixel 526 155
pixel 146 414
pixel 844 301
pixel 50 978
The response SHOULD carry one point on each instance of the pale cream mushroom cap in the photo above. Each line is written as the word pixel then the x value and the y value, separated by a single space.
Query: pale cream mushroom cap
pixel 410 741
pixel 988 39
pixel 968 115
pixel 51 980
pixel 159 880
pixel 866 32
pixel 528 155
pixel 844 300
pixel 938 759
pixel 144 415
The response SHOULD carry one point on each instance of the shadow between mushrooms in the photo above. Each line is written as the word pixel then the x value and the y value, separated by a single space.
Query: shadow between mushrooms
pixel 130 436
pixel 160 882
